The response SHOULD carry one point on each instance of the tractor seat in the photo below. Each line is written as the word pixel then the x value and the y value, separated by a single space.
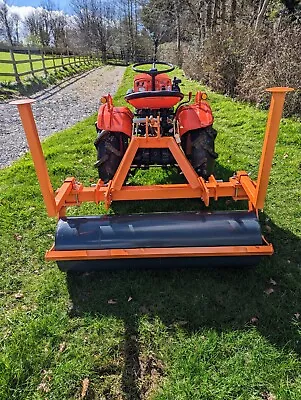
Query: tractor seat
pixel 154 99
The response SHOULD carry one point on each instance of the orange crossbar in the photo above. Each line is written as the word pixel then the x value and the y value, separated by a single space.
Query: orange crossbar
pixel 148 192
pixel 222 251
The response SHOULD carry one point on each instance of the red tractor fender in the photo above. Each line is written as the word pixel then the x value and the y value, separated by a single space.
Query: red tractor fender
pixel 194 116
pixel 115 119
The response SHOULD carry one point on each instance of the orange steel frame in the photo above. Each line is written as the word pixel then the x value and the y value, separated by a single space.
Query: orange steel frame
pixel 239 187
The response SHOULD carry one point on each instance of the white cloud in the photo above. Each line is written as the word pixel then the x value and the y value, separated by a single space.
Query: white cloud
pixel 22 11
pixel 25 11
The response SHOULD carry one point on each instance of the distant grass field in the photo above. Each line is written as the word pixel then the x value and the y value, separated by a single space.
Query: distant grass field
pixel 37 64
pixel 207 334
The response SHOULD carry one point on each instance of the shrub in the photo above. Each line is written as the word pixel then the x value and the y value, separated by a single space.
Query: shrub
pixel 241 63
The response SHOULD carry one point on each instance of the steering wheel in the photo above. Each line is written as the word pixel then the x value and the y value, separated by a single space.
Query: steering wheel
pixel 153 71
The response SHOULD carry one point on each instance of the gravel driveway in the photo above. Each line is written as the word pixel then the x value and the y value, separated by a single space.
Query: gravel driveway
pixel 56 108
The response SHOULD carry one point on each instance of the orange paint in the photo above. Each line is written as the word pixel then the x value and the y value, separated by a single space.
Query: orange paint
pixel 161 252
pixel 194 116
pixel 32 136
pixel 153 102
pixel 270 138
pixel 115 119
pixel 154 192
pixel 239 187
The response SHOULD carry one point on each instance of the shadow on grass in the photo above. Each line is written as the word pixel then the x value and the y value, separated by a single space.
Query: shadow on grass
pixel 53 89
pixel 49 89
pixel 219 298
pixel 172 175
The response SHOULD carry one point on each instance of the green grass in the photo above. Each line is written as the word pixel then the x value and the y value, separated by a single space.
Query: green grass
pixel 31 84
pixel 37 64
pixel 211 334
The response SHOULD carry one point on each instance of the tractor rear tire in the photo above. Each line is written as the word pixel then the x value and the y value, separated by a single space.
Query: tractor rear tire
pixel 203 155
pixel 110 147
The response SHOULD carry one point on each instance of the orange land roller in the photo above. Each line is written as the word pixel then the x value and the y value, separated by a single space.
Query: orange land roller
pixel 164 131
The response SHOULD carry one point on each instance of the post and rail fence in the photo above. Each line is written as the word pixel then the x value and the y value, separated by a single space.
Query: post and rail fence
pixel 49 59
pixel 47 62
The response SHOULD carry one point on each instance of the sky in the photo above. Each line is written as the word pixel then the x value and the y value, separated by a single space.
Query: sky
pixel 24 7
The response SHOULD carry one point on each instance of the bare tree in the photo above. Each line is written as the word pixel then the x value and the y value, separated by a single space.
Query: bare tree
pixel 223 11
pixel 58 29
pixel 233 10
pixel 261 13
pixel 216 5
pixel 48 26
pixel 15 21
pixel 38 24
pixel 93 21
pixel 127 12
pixel 177 11
pixel 195 17
pixel 6 25
pixel 157 17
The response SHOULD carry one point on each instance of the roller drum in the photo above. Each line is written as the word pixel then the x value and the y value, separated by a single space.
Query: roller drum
pixel 158 230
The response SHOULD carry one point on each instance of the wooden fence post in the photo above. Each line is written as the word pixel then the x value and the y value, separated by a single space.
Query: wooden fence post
pixel 53 62
pixel 58 61
pixel 43 62
pixel 15 67
pixel 30 62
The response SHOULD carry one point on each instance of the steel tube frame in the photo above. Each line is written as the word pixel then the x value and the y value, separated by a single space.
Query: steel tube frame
pixel 270 139
pixel 31 132
pixel 239 187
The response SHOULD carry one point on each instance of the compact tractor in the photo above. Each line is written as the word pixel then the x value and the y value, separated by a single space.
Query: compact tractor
pixel 158 105
pixel 162 131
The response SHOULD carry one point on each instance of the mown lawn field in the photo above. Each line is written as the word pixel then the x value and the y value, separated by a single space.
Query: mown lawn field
pixel 37 64
pixel 202 334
